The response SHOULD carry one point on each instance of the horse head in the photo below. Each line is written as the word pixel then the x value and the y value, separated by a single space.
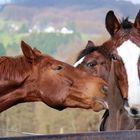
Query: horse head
pixel 34 76
pixel 125 45
pixel 61 85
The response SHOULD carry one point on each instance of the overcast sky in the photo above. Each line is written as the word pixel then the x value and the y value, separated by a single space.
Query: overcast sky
pixel 133 1
pixel 4 1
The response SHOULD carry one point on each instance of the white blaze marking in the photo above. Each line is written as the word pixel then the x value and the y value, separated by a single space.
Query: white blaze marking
pixel 130 54
pixel 79 62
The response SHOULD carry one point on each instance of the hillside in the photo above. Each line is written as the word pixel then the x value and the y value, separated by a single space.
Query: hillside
pixel 84 4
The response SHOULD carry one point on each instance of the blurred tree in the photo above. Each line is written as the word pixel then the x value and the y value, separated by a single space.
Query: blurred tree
pixel 13 49
pixel 71 25
pixel 24 28
pixel 2 49
pixel 49 42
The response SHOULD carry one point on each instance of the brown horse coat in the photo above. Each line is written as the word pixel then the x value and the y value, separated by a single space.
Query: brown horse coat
pixel 34 76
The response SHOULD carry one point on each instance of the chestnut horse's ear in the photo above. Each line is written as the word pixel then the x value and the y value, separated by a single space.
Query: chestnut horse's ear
pixel 112 23
pixel 37 52
pixel 90 44
pixel 137 21
pixel 29 53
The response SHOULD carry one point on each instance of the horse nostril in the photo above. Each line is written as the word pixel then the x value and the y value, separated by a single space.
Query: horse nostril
pixel 104 89
pixel 134 111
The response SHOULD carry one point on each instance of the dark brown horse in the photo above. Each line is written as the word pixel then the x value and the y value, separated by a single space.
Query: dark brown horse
pixel 124 47
pixel 38 77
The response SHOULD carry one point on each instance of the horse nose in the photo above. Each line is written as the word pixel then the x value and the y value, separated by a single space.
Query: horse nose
pixel 134 111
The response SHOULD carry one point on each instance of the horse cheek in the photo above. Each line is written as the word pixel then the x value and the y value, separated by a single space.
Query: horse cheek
pixel 122 78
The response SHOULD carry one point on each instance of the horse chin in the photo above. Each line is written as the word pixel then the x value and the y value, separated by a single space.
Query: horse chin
pixel 98 106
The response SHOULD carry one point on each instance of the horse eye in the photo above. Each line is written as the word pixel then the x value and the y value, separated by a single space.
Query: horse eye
pixel 92 64
pixel 58 68
pixel 104 89
pixel 114 57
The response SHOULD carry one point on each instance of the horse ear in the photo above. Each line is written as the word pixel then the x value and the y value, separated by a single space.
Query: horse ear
pixel 137 21
pixel 112 23
pixel 37 52
pixel 90 44
pixel 28 52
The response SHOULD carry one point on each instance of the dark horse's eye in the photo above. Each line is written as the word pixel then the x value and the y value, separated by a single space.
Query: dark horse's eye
pixel 114 57
pixel 92 64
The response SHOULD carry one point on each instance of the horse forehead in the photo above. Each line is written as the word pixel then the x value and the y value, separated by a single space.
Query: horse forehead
pixel 128 49
pixel 130 53
pixel 79 61
pixel 95 54
pixel 49 59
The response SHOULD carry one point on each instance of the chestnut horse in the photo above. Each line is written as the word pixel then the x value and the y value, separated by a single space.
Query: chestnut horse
pixel 34 76
pixel 124 47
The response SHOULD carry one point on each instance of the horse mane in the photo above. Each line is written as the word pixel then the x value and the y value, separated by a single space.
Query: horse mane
pixel 126 24
pixel 14 68
pixel 101 49
pixel 86 51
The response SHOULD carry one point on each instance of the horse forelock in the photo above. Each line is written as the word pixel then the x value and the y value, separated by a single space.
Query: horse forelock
pixel 86 51
pixel 105 51
pixel 126 24
pixel 14 68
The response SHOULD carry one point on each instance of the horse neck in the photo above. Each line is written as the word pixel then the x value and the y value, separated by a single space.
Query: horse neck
pixel 114 96
pixel 118 118
pixel 14 68
pixel 17 96
pixel 15 82
pixel 15 93
pixel 115 101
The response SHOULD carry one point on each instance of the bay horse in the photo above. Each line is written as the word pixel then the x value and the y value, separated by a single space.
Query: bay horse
pixel 124 47
pixel 116 116
pixel 34 76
